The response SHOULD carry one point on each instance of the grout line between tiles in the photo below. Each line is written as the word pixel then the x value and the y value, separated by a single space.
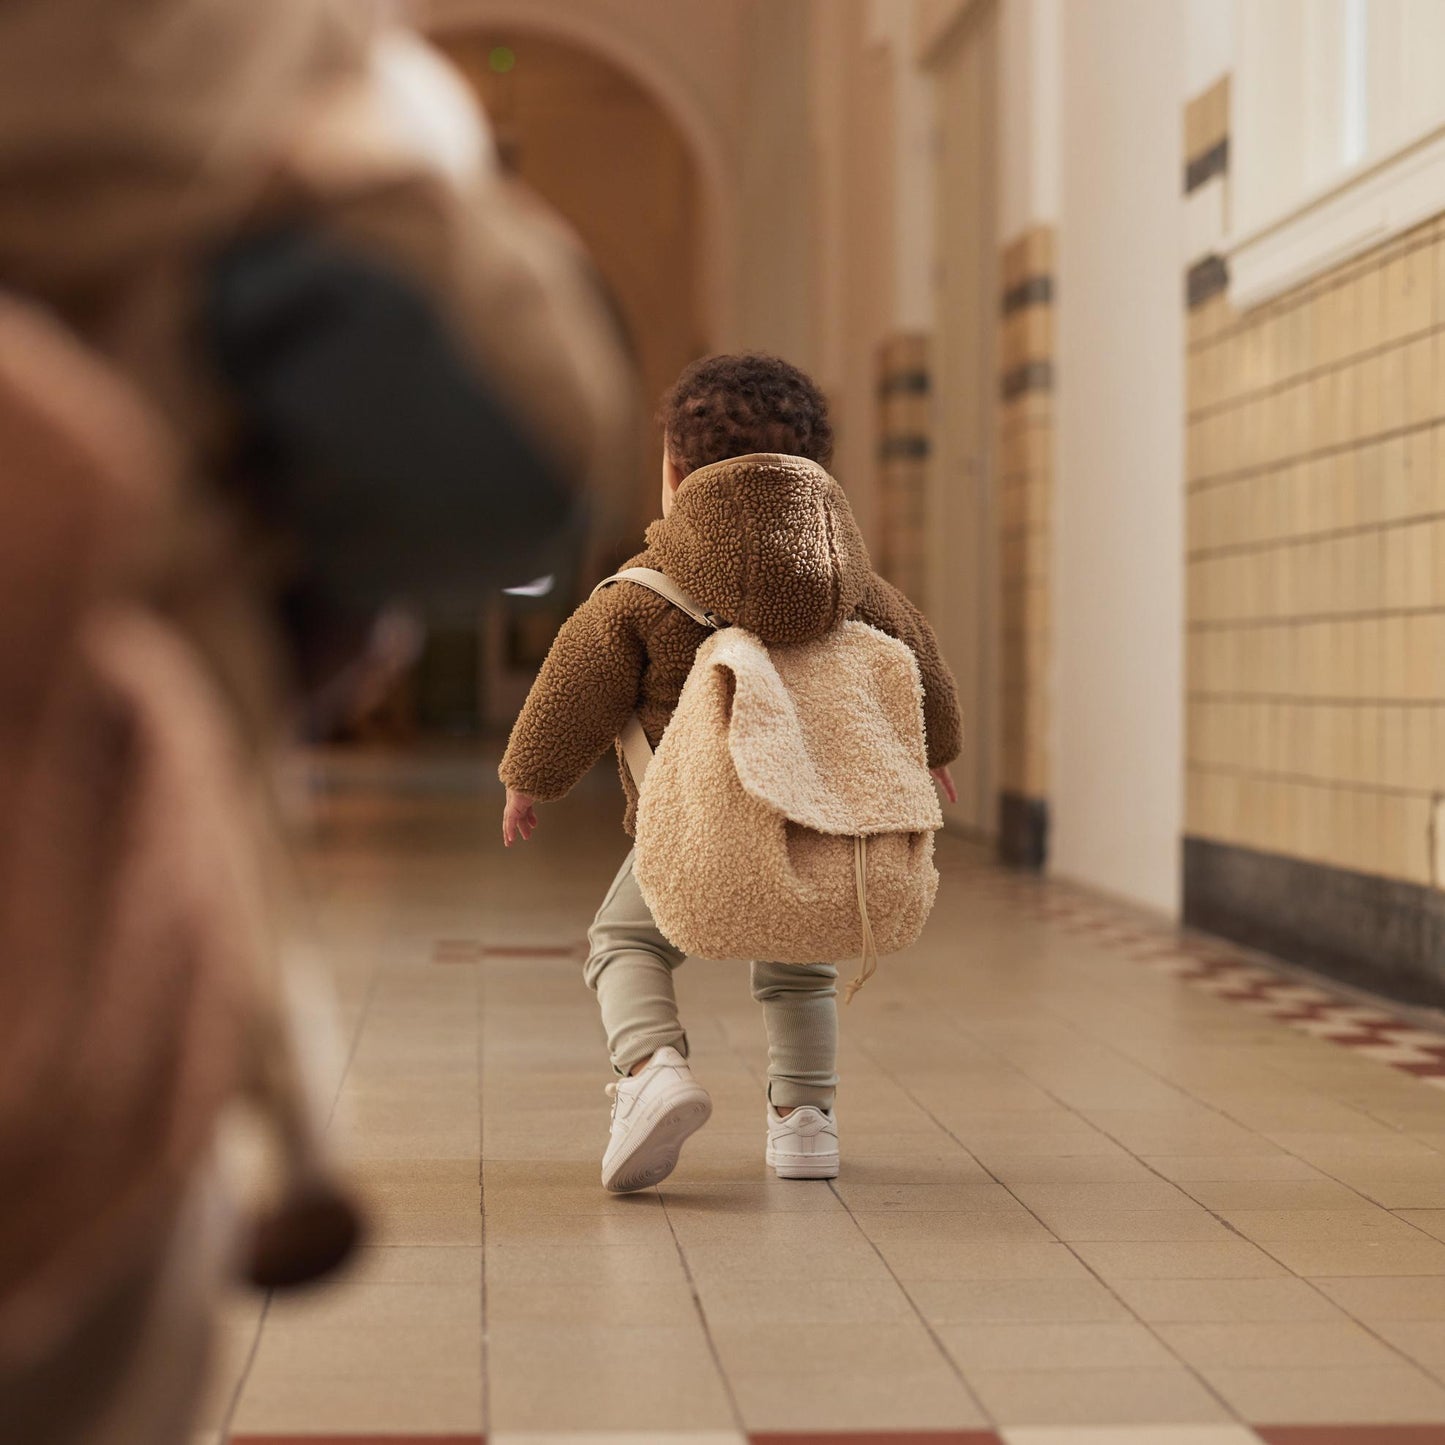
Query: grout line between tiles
pixel 1279 388
pixel 697 1304
pixel 228 1418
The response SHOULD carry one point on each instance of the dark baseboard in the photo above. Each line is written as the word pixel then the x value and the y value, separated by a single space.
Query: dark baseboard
pixel 1023 831
pixel 1372 933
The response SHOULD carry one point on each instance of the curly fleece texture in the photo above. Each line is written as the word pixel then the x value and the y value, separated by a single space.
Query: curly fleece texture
pixel 781 757
pixel 768 543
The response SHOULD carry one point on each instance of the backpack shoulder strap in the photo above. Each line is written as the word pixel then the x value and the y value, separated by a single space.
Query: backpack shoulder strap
pixel 636 750
pixel 664 586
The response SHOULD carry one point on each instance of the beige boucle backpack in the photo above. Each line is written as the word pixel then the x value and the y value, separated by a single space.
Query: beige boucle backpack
pixel 788 813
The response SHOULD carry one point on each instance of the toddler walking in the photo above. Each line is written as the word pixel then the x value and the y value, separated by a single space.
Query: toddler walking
pixel 756 531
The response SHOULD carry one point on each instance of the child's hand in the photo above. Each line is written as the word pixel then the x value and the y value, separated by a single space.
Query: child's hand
pixel 519 816
pixel 944 779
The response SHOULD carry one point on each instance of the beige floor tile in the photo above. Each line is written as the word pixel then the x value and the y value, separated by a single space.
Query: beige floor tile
pixel 1086 1346
pixel 1136 1194
pixel 993 1149
pixel 970 1198
pixel 430 1403
pixel 806 1301
pixel 857 1260
pixel 1148 1132
pixel 1332 1258
pixel 1220 1168
pixel 1169 1396
pixel 528 1363
pixel 912 1259
pixel 992 1226
pixel 560 1263
pixel 933 1399
pixel 1384 1149
pixel 1397 1193
pixel 1393 1394
pixel 775 1228
pixel 1132 1435
pixel 1043 1301
pixel 416 1264
pixel 886 1168
pixel 1389 1298
pixel 1348 1225
pixel 885 1350
pixel 1088 1225
pixel 514 1302
pixel 1432 1221
pixel 753 1197
pixel 1071 1169
pixel 1234 1259
pixel 405 1344
pixel 1422 1340
pixel 1225 1301
pixel 1291 1194
pixel 360 1304
pixel 1297 1344
pixel 638 1226
pixel 558 1197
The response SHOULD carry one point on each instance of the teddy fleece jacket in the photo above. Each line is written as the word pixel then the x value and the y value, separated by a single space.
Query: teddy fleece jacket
pixel 765 542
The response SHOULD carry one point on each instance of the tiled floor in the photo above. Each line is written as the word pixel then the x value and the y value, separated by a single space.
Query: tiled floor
pixel 1101 1186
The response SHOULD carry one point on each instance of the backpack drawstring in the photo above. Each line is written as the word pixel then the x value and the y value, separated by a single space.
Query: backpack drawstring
pixel 870 948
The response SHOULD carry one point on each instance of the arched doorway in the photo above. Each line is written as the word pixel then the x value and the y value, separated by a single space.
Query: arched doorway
pixel 600 149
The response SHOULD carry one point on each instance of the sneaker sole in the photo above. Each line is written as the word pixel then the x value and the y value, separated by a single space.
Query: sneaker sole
pixel 805 1168
pixel 654 1156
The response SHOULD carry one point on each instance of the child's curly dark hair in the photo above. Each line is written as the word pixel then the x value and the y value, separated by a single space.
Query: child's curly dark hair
pixel 730 406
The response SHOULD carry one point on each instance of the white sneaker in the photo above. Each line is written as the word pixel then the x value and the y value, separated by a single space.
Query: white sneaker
pixel 653 1115
pixel 804 1145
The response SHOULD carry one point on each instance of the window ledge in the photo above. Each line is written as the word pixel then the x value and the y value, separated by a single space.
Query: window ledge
pixel 1379 201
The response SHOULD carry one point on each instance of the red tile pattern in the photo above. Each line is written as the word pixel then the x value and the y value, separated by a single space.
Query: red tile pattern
pixel 471 950
pixel 457 950
pixel 533 950
pixel 1233 975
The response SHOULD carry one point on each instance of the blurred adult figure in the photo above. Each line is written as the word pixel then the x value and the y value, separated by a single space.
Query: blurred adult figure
pixel 278 347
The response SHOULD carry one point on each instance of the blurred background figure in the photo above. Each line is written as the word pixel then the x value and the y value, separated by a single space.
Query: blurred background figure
pixel 279 349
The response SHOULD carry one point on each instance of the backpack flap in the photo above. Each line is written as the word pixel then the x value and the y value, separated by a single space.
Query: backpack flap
pixel 830 733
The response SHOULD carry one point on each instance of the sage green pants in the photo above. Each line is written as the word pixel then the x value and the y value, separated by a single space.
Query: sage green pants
pixel 630 965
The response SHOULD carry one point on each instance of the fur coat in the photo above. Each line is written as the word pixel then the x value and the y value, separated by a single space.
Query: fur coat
pixel 766 542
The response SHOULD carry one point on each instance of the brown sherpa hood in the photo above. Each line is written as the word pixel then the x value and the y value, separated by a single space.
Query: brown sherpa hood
pixel 769 543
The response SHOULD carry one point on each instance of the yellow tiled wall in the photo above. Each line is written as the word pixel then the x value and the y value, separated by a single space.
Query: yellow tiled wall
pixel 1025 492
pixel 1316 565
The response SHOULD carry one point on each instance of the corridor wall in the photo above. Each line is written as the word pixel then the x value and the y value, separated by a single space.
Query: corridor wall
pixel 1117 539
pixel 1316 597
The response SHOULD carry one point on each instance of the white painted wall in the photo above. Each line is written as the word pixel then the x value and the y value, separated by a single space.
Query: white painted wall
pixel 1118 603
pixel 896 26
pixel 1211 39
pixel 1030 96
pixel 776 186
